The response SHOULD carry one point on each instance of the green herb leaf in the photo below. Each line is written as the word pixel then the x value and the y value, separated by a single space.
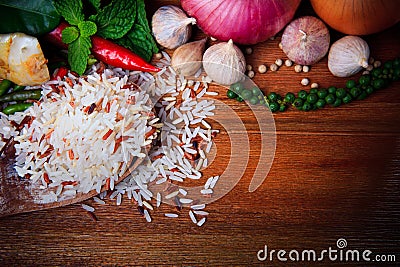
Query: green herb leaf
pixel 69 34
pixel 30 17
pixel 96 4
pixel 139 41
pixel 87 28
pixel 78 54
pixel 115 19
pixel 71 10
pixel 139 38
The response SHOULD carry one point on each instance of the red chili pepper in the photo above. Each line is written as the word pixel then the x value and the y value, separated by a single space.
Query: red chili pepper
pixel 106 51
pixel 61 72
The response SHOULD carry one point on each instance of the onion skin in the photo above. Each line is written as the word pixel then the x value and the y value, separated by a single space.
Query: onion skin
pixel 306 40
pixel 243 21
pixel 358 17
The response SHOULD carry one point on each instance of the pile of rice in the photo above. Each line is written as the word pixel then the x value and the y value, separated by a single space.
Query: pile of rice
pixel 180 150
pixel 83 134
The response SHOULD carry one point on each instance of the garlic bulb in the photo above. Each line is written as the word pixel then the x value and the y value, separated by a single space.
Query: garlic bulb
pixel 224 63
pixel 186 59
pixel 171 27
pixel 348 56
pixel 306 40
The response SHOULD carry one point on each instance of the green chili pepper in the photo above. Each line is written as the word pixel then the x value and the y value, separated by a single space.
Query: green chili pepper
pixel 11 109
pixel 17 88
pixel 4 86
pixel 22 95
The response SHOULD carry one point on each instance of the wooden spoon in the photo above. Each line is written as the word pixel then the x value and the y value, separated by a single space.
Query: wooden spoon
pixel 16 196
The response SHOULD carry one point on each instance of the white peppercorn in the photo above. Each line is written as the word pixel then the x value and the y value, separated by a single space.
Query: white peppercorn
pixel 279 62
pixel 250 74
pixel 306 68
pixel 280 45
pixel 365 72
pixel 158 56
pixel 314 85
pixel 377 64
pixel 249 67
pixel 262 68
pixel 369 68
pixel 213 39
pixel 305 81
pixel 248 50
pixel 298 68
pixel 273 67
pixel 371 60
pixel 288 63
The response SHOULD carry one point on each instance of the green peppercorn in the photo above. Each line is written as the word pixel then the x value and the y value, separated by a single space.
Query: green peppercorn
pixel 256 91
pixel 322 93
pixel 239 98
pixel 273 96
pixel 330 99
pixel 302 94
pixel 337 102
pixel 350 84
pixel 237 87
pixel 231 94
pixel 254 100
pixel 347 99
pixel 246 94
pixel 370 90
pixel 313 91
pixel 306 106
pixel 282 108
pixel 273 106
pixel 320 103
pixel 290 97
pixel 355 91
pixel 378 83
pixel 396 62
pixel 312 98
pixel 332 90
pixel 388 65
pixel 362 96
pixel 376 72
pixel 341 92
pixel 364 80
pixel 298 103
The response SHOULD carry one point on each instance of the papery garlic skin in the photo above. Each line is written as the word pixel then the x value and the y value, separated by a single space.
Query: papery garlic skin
pixel 224 63
pixel 186 59
pixel 306 40
pixel 171 27
pixel 348 56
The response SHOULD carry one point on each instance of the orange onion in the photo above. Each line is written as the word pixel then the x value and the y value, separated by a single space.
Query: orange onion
pixel 243 21
pixel 358 17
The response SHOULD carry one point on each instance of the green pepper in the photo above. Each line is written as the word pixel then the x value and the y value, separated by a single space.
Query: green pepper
pixel 22 95
pixel 4 86
pixel 11 109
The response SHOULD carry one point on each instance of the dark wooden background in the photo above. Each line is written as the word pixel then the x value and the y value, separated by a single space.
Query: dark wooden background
pixel 336 174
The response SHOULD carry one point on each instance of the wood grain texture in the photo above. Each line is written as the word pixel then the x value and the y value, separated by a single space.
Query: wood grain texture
pixel 336 174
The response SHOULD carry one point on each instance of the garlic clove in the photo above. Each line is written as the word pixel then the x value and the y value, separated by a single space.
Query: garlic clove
pixel 186 59
pixel 306 40
pixel 348 56
pixel 224 63
pixel 171 27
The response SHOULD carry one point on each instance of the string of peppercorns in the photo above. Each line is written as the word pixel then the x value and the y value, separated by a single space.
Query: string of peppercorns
pixel 376 79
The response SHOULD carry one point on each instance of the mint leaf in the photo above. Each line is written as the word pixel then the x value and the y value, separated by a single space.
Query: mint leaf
pixel 78 54
pixel 96 4
pixel 71 10
pixel 139 41
pixel 115 19
pixel 87 28
pixel 139 38
pixel 69 34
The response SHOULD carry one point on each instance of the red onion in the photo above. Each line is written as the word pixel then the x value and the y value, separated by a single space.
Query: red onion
pixel 243 21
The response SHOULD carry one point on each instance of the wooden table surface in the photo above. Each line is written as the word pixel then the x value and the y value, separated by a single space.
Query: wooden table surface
pixel 336 174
